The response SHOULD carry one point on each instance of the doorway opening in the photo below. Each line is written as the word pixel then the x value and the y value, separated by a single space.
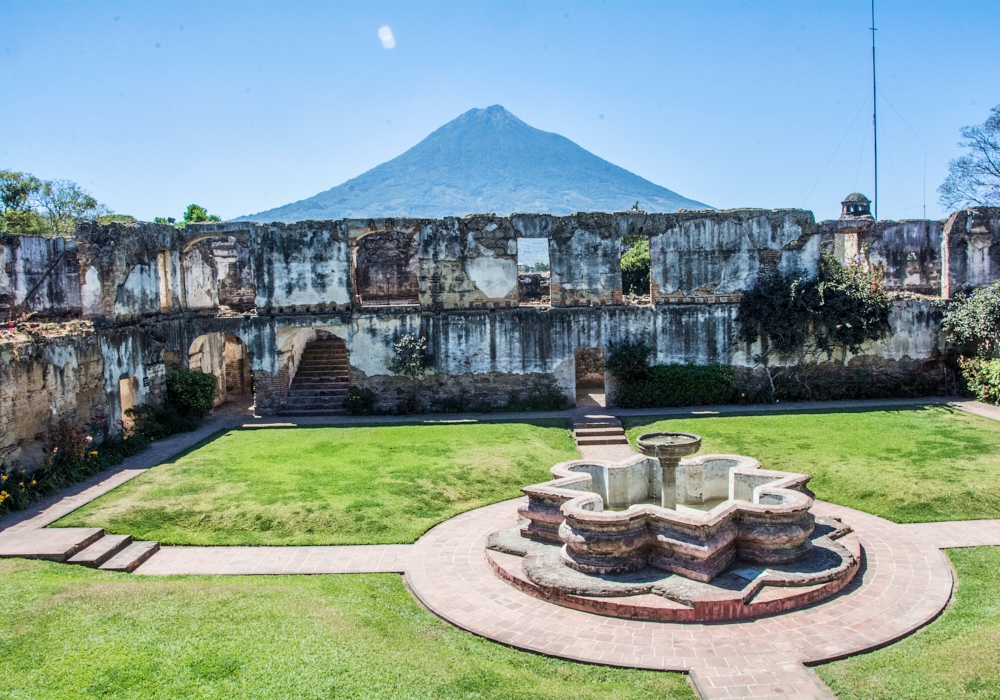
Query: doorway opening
pixel 590 375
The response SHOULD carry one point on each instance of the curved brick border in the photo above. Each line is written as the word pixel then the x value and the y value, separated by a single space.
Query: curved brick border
pixel 904 583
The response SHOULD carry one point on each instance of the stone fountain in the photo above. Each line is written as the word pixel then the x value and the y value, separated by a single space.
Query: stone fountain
pixel 709 532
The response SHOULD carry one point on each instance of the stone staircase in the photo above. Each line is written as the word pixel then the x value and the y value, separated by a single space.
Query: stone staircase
pixel 86 546
pixel 321 380
pixel 606 430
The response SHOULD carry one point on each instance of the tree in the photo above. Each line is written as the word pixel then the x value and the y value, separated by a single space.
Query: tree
pixel 195 214
pixel 29 206
pixel 974 179
pixel 17 195
pixel 62 202
pixel 635 264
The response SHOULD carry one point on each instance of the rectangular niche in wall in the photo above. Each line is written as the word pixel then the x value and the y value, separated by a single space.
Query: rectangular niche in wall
pixel 385 269
pixel 533 271
pixel 128 393
pixel 163 272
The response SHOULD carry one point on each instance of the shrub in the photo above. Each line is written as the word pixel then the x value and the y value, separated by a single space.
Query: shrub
pixel 360 401
pixel 982 378
pixel 628 360
pixel 410 357
pixel 156 421
pixel 973 321
pixel 191 392
pixel 74 455
pixel 550 400
pixel 679 385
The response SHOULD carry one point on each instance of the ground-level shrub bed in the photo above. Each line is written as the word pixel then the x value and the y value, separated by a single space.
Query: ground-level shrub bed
pixel 76 453
pixel 905 465
pixel 73 632
pixel 957 657
pixel 357 485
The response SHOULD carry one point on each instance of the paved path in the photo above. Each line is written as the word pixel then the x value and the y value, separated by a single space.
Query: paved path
pixel 905 581
pixel 357 559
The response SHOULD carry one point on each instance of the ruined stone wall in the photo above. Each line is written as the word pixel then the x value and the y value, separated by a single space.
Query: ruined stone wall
pixel 708 258
pixel 156 293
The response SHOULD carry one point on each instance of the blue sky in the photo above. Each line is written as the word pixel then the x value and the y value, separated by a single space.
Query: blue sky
pixel 244 106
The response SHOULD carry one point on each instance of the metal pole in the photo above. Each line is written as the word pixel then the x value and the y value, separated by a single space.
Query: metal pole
pixel 875 110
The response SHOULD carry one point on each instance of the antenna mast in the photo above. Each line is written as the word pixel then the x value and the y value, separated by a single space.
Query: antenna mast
pixel 874 110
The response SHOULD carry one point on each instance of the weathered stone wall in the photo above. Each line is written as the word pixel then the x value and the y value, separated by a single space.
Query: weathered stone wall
pixel 164 297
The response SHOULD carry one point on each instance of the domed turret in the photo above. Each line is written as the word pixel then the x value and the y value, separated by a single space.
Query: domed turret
pixel 856 206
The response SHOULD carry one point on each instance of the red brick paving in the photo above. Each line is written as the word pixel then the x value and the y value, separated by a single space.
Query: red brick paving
pixel 904 583
pixel 385 558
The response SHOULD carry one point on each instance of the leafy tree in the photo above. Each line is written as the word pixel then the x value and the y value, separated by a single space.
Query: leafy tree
pixel 62 202
pixel 17 195
pixel 635 264
pixel 974 179
pixel 541 267
pixel 29 206
pixel 195 214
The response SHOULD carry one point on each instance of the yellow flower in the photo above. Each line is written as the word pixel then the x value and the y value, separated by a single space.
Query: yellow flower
pixel 33 482
pixel 21 484
pixel 94 452
pixel 3 478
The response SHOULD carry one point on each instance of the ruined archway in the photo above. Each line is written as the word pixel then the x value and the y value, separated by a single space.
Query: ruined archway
pixel 318 371
pixel 385 269
pixel 226 356
pixel 218 271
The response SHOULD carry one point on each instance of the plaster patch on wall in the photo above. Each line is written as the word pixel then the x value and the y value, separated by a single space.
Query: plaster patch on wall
pixel 90 293
pixel 372 338
pixel 495 277
pixel 140 294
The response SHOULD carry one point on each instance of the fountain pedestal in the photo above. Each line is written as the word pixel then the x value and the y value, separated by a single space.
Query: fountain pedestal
pixel 668 449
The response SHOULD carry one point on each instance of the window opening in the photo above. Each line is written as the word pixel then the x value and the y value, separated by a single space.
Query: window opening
pixel 534 274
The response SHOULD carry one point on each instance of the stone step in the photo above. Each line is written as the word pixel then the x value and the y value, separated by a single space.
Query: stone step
pixel 53 543
pixel 129 559
pixel 610 430
pixel 102 550
pixel 313 371
pixel 597 424
pixel 335 389
pixel 611 440
pixel 314 412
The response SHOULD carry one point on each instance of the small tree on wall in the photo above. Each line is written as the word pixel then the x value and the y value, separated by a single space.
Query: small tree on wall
pixel 410 357
pixel 792 315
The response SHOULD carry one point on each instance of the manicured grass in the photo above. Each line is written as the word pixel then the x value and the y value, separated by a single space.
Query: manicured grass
pixel 71 632
pixel 957 657
pixel 329 485
pixel 905 465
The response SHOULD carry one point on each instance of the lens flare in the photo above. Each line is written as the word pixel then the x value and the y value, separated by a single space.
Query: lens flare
pixel 388 40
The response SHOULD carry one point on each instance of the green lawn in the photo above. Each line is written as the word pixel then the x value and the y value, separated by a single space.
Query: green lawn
pixel 70 632
pixel 905 465
pixel 957 657
pixel 329 485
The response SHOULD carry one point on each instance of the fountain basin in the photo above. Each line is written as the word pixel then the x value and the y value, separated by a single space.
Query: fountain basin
pixel 610 519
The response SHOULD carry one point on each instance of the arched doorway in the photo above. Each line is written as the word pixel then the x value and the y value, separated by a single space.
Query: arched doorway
pixel 227 357
pixel 385 270
pixel 318 372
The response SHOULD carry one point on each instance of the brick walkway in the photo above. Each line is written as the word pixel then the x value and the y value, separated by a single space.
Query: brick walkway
pixel 359 559
pixel 904 583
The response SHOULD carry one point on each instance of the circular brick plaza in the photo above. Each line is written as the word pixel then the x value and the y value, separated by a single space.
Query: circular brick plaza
pixel 904 582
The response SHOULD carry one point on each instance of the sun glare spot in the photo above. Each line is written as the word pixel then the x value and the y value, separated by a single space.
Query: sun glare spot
pixel 388 40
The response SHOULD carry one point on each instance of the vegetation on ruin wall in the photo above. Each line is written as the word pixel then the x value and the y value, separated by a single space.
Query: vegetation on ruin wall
pixel 77 452
pixel 912 465
pixel 322 486
pixel 801 320
pixel 955 657
pixel 973 323
pixel 80 633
